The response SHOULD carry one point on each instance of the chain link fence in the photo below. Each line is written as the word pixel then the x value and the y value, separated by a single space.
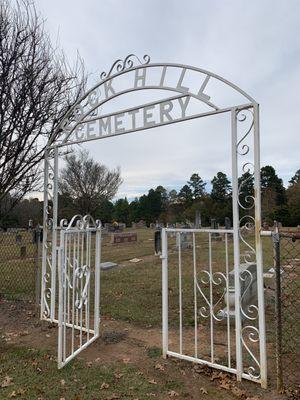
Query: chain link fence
pixel 286 247
pixel 20 256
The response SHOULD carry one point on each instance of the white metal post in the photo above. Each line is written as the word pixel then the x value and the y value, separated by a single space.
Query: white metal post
pixel 54 235
pixel 195 297
pixel 97 282
pixel 165 322
pixel 236 245
pixel 45 219
pixel 259 259
pixel 61 258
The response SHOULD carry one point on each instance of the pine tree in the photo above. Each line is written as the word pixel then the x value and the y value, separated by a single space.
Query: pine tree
pixel 197 186
pixel 185 195
pixel 295 179
pixel 221 188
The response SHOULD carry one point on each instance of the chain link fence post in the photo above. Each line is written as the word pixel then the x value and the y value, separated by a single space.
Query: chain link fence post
pixel 276 258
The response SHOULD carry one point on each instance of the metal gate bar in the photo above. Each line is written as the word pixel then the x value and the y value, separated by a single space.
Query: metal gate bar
pixel 215 311
pixel 79 279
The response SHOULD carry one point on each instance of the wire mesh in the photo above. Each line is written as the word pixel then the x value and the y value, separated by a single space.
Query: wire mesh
pixel 19 264
pixel 287 255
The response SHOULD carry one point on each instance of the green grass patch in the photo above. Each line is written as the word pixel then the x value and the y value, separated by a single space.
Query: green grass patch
pixel 34 375
pixel 154 352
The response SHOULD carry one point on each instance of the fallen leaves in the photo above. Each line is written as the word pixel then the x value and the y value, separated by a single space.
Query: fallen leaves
pixel 238 392
pixel 7 382
pixel 113 396
pixel 104 386
pixel 172 393
pixel 203 391
pixel 153 382
pixel 16 393
pixel 159 367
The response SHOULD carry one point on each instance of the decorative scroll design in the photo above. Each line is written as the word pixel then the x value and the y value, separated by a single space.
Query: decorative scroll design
pixel 251 311
pixel 46 296
pixel 247 225
pixel 81 274
pixel 251 334
pixel 47 237
pixel 80 222
pixel 216 278
pixel 246 202
pixel 122 65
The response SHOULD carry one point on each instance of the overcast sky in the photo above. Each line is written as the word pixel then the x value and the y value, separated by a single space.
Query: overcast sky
pixel 255 45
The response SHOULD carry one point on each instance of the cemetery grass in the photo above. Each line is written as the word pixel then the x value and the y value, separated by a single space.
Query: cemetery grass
pixel 130 295
pixel 132 292
pixel 33 374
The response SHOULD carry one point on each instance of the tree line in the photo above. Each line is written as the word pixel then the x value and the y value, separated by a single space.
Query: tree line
pixel 278 203
pixel 88 187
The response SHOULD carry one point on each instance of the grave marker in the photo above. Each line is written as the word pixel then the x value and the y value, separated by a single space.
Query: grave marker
pixel 124 237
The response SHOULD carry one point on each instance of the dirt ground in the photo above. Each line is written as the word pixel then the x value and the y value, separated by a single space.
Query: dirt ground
pixel 124 343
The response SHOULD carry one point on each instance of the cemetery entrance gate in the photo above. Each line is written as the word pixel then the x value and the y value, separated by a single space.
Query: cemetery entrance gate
pixel 191 93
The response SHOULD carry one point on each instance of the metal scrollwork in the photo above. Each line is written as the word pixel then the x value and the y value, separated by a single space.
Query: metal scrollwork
pixel 251 312
pixel 247 224
pixel 251 334
pixel 216 278
pixel 246 202
pixel 46 296
pixel 82 273
pixel 242 116
pixel 122 65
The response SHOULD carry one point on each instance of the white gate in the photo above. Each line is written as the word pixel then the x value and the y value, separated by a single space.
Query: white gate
pixel 202 287
pixel 79 286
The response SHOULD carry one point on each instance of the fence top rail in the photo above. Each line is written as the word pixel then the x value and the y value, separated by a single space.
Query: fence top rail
pixel 291 235
pixel 78 230
pixel 198 230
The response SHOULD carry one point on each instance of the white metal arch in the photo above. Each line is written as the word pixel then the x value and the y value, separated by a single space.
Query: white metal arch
pixel 245 156
pixel 127 66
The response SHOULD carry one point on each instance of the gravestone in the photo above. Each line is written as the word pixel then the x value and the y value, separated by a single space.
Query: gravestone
pixel 140 224
pixel 215 225
pixel 197 219
pixel 248 288
pixel 122 226
pixel 124 237
pixel 108 265
pixel 110 227
pixel 157 242
pixel 227 223
pixel 184 239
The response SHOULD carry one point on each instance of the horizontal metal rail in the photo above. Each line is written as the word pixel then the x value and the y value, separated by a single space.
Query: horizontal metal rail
pixel 199 230
pixel 208 363
pixel 69 325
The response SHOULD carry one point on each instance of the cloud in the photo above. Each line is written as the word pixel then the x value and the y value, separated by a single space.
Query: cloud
pixel 255 45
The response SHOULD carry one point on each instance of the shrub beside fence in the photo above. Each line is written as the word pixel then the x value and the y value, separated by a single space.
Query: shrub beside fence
pixel 20 256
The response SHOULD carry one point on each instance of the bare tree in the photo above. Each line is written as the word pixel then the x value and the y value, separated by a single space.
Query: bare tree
pixel 37 87
pixel 87 183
